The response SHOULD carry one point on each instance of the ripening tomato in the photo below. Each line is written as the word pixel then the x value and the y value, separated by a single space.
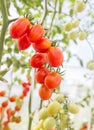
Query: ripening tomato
pixel 84 127
pixel 44 92
pixel 36 32
pixel 23 42
pixel 41 73
pixel 19 27
pixel 37 60
pixel 42 45
pixel 53 80
pixel 55 56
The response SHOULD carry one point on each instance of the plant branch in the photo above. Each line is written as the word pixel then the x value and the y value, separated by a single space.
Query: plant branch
pixel 4 26
pixel 45 13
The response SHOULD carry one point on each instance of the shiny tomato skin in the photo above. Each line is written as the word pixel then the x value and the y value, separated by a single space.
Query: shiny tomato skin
pixel 45 93
pixel 41 73
pixel 19 27
pixel 53 80
pixel 23 42
pixel 55 57
pixel 36 32
pixel 42 45
pixel 38 60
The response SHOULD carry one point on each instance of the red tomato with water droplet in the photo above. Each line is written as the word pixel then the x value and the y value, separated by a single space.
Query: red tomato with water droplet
pixel 41 73
pixel 44 92
pixel 19 27
pixel 55 57
pixel 23 43
pixel 42 45
pixel 38 60
pixel 53 80
pixel 36 32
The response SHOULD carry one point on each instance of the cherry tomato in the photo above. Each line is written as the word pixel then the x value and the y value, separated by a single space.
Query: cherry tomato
pixel 84 127
pixel 44 92
pixel 55 56
pixel 5 104
pixel 23 42
pixel 38 60
pixel 19 27
pixel 41 73
pixel 2 93
pixel 42 45
pixel 52 80
pixel 36 32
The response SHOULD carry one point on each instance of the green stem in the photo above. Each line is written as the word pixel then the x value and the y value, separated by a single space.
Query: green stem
pixel 41 102
pixel 4 26
pixel 29 112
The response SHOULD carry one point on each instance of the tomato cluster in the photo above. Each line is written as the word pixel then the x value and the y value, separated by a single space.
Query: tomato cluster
pixel 17 102
pixel 45 54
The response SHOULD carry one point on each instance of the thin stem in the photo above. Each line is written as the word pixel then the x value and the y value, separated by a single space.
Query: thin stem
pixel 41 101
pixel 53 18
pixel 45 13
pixel 4 26
pixel 29 111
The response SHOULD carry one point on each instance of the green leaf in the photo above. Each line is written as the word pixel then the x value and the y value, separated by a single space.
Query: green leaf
pixel 3 80
pixel 3 72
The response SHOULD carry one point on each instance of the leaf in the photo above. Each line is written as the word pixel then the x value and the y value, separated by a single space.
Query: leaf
pixel 3 72
pixel 3 80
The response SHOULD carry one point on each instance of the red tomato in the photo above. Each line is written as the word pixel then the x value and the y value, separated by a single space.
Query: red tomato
pixel 5 104
pixel 2 93
pixel 23 42
pixel 44 92
pixel 42 45
pixel 55 56
pixel 36 32
pixel 52 80
pixel 19 27
pixel 41 73
pixel 38 60
pixel 84 127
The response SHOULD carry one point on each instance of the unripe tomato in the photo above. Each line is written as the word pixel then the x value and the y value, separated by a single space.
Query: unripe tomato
pixel 49 123
pixel 41 73
pixel 53 108
pixel 53 80
pixel 44 92
pixel 60 98
pixel 68 27
pixel 80 6
pixel 38 60
pixel 42 45
pixel 75 23
pixel 39 126
pixel 73 108
pixel 23 42
pixel 19 27
pixel 55 57
pixel 43 113
pixel 82 35
pixel 36 33
pixel 73 35
pixel 90 65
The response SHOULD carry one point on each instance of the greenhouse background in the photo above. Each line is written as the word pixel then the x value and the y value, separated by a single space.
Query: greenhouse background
pixel 69 25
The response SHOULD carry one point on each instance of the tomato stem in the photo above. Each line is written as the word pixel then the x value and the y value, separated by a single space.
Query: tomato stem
pixel 4 26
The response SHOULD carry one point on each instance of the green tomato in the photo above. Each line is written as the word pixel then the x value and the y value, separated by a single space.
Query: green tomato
pixel 82 35
pixel 73 35
pixel 49 123
pixel 53 108
pixel 39 125
pixel 75 23
pixel 90 65
pixel 68 27
pixel 73 108
pixel 80 6
pixel 60 98
pixel 43 113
